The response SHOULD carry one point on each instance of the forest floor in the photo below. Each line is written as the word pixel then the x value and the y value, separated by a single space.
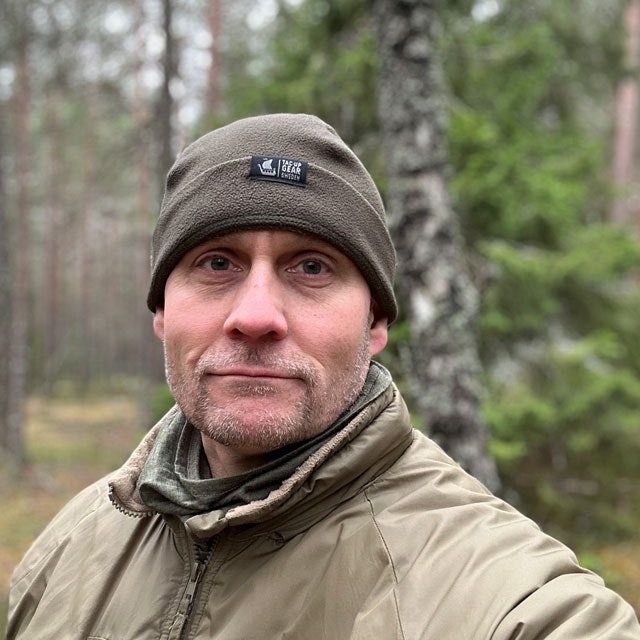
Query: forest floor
pixel 71 443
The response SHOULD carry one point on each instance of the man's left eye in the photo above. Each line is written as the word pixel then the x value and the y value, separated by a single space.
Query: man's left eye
pixel 311 267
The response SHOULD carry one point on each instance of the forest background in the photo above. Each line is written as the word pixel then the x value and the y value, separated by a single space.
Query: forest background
pixel 538 101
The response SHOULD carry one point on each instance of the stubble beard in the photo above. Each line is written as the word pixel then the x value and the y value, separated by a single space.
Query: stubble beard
pixel 317 408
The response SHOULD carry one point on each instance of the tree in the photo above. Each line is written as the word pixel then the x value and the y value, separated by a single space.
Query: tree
pixel 531 86
pixel 440 299
pixel 79 214
pixel 18 330
pixel 6 295
pixel 624 166
pixel 165 103
pixel 314 57
pixel 214 77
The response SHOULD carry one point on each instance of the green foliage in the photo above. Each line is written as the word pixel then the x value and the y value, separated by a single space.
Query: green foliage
pixel 543 409
pixel 497 162
pixel 575 285
pixel 557 328
pixel 320 59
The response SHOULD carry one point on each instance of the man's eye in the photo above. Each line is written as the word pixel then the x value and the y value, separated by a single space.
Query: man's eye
pixel 311 267
pixel 217 263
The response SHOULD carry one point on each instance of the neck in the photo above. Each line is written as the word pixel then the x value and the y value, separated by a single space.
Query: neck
pixel 226 461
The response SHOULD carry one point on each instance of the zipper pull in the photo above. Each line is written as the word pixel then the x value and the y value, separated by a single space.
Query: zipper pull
pixel 184 609
pixel 194 580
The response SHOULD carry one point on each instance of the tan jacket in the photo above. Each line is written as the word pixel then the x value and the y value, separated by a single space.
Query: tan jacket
pixel 378 536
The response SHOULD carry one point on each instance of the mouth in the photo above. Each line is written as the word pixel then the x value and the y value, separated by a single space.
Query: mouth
pixel 252 372
pixel 255 368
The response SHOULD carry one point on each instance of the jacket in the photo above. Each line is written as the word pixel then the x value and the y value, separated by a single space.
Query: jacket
pixel 378 535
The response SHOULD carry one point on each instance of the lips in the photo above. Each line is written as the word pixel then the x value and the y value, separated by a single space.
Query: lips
pixel 247 365
pixel 251 373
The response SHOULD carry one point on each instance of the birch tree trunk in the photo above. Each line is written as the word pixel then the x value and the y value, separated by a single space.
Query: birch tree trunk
pixel 5 296
pixel 436 292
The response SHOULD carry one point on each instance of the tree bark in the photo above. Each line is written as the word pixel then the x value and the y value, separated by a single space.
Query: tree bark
pixel 165 105
pixel 5 295
pixel 150 361
pixel 215 68
pixel 623 170
pixel 17 353
pixel 53 268
pixel 436 292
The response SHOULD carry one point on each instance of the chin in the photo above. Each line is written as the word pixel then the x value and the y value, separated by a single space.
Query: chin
pixel 254 431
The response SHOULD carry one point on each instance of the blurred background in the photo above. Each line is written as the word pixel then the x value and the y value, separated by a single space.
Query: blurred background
pixel 503 135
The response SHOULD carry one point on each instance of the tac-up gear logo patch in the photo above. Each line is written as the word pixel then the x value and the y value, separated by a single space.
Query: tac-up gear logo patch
pixel 276 169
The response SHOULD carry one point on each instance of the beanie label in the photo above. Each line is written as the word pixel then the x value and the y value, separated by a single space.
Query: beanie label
pixel 276 169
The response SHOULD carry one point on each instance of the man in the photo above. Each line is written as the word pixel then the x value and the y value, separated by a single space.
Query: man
pixel 286 495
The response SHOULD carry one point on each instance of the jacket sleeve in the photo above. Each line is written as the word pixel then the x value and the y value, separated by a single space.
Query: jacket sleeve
pixel 570 607
pixel 26 590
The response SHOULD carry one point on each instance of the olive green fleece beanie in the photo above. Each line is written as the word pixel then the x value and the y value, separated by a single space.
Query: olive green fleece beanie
pixel 282 171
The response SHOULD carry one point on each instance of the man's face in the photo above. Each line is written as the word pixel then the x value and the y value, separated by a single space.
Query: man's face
pixel 267 337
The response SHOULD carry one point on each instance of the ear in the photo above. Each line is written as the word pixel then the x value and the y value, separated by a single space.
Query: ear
pixel 158 323
pixel 377 330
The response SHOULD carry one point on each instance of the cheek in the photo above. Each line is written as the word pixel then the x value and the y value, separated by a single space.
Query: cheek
pixel 337 337
pixel 188 328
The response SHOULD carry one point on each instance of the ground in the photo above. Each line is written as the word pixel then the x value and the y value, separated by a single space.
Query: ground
pixel 70 443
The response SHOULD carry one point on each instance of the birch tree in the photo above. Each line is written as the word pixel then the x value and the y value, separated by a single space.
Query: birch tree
pixel 437 294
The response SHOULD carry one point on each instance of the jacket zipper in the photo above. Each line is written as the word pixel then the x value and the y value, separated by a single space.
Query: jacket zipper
pixel 179 626
pixel 128 512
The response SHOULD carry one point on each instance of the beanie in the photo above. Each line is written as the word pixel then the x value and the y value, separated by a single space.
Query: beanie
pixel 281 172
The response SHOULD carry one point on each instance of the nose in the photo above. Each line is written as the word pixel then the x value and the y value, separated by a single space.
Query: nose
pixel 257 310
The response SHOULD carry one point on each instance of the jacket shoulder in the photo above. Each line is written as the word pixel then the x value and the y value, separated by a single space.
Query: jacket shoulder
pixel 82 506
pixel 31 577
pixel 470 561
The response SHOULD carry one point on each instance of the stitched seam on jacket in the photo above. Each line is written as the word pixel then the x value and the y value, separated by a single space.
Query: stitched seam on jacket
pixel 390 558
